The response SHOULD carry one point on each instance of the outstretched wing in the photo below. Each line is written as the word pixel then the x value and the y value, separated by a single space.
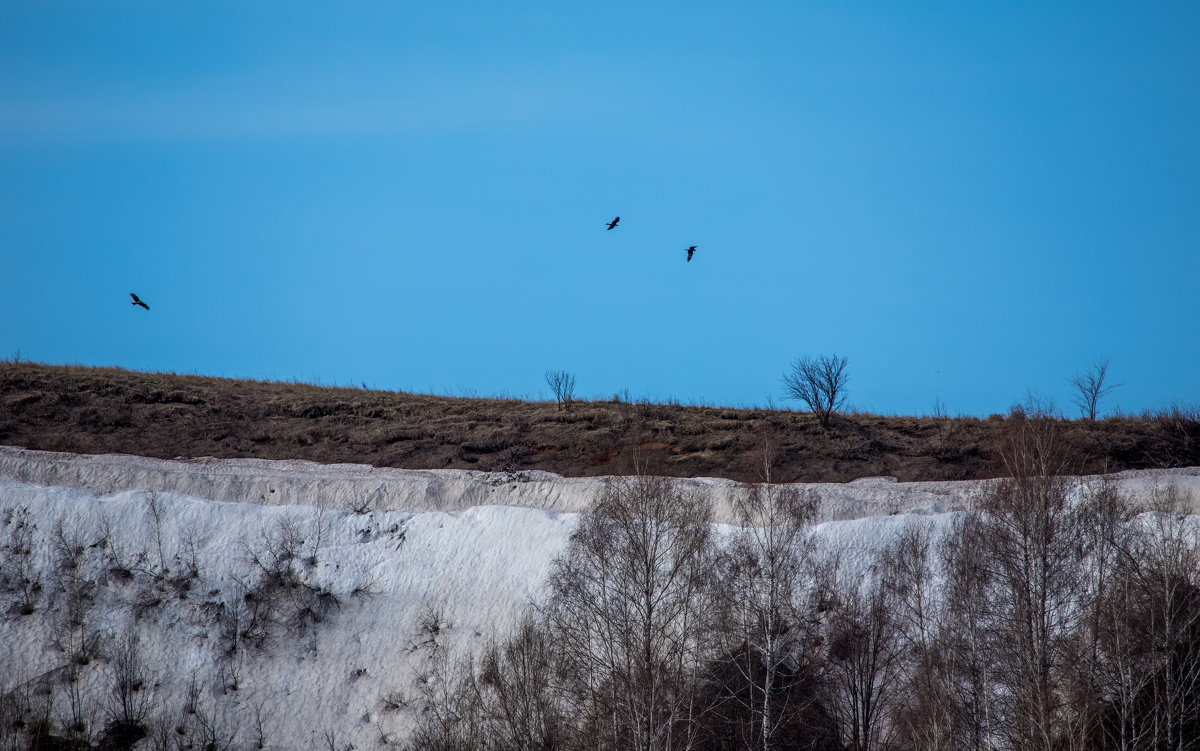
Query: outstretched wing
pixel 136 300
pixel 144 305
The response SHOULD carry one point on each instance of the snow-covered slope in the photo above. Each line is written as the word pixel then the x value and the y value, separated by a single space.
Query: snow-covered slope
pixel 339 486
pixel 167 551
pixel 465 575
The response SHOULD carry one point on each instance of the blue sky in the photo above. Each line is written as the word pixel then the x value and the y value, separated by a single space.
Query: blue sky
pixel 970 201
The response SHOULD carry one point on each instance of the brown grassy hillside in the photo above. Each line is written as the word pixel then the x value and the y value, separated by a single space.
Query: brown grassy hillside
pixel 105 410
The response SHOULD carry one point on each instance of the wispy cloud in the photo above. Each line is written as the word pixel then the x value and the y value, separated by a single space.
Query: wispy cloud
pixel 312 107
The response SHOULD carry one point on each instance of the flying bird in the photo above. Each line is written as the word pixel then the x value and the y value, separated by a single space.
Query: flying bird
pixel 613 223
pixel 138 301
pixel 691 249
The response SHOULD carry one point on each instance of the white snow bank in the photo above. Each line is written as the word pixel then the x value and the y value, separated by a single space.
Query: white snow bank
pixel 338 486
pixel 471 572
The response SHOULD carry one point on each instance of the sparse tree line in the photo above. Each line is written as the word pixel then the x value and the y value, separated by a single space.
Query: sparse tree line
pixel 820 384
pixel 1049 618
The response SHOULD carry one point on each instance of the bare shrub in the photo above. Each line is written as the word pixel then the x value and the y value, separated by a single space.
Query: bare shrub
pixel 330 741
pixel 451 716
pixel 363 504
pixel 161 734
pixel 369 587
pixel 132 694
pixel 191 696
pixel 820 383
pixel 190 555
pixel 229 672
pixel 393 701
pixel 280 596
pixel 77 589
pixel 562 384
pixel 20 579
pixel 259 725
pixel 210 730
pixel 78 718
pixel 524 710
pixel 431 627
pixel 123 561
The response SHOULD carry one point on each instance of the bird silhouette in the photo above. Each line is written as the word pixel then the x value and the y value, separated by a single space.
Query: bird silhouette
pixel 613 223
pixel 691 249
pixel 138 301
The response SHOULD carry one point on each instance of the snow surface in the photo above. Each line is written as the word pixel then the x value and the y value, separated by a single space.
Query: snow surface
pixel 472 548
pixel 295 482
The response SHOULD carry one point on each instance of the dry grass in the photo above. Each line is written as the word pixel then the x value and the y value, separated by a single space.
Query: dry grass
pixel 106 410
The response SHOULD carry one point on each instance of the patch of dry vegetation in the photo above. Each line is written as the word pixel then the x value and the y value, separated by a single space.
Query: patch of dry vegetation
pixel 107 410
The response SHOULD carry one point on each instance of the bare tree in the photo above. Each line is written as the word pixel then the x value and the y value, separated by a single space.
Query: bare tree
pixel 629 615
pixel 865 660
pixel 259 724
pixel 525 712
pixel 132 695
pixel 562 384
pixel 451 711
pixel 1090 388
pixel 1097 671
pixel 970 662
pixel 819 382
pixel 1166 563
pixel 766 581
pixel 929 717
pixel 1034 545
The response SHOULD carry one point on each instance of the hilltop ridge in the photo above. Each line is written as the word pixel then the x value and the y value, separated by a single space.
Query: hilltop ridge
pixel 107 410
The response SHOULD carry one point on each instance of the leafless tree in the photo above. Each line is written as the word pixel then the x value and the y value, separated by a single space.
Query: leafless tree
pixel 20 578
pixel 524 709
pixel 155 509
pixel 562 384
pixel 865 660
pixel 819 382
pixel 967 643
pixel 767 588
pixel 1090 388
pixel 629 615
pixel 212 731
pixel 1033 548
pixel 1127 666
pixel 132 689
pixel 451 710
pixel 1166 567
pixel 929 718
pixel 1090 684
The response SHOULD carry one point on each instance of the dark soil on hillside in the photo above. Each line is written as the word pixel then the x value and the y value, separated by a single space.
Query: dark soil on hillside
pixel 105 410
